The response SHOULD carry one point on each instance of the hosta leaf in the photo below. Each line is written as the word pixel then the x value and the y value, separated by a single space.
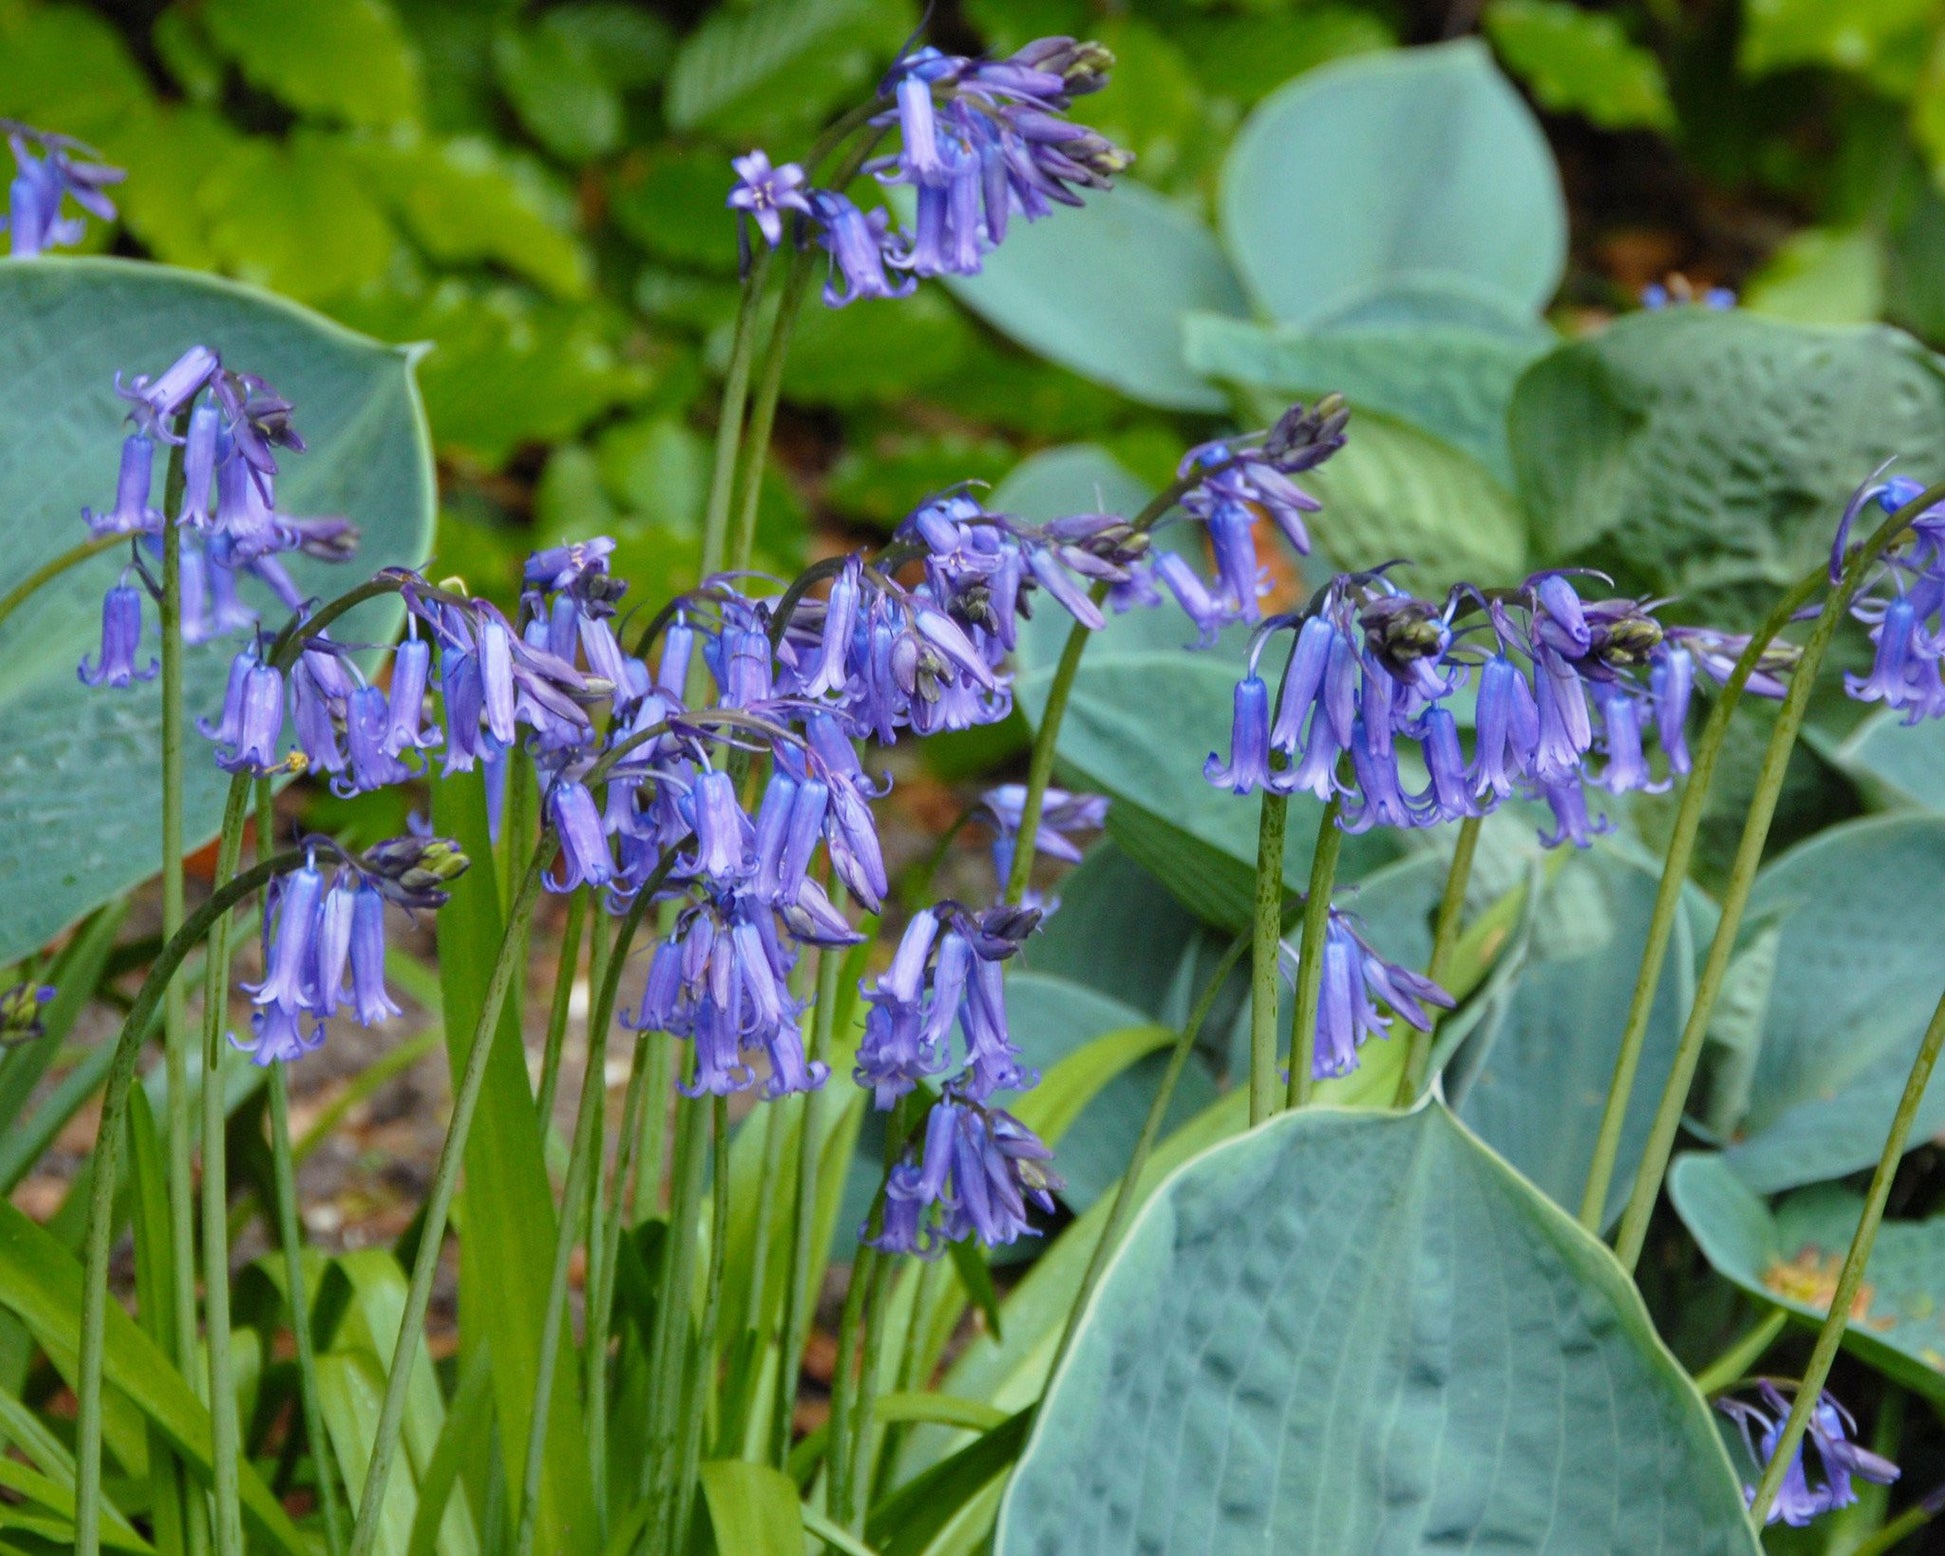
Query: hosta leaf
pixel 78 822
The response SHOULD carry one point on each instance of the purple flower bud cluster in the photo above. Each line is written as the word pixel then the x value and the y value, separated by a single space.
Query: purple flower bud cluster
pixel 20 1012
pixel 1061 814
pixel 49 168
pixel 1566 691
pixel 1839 1459
pixel 229 523
pixel 1356 980
pixel 979 1169
pixel 981 141
pixel 1904 606
pixel 324 943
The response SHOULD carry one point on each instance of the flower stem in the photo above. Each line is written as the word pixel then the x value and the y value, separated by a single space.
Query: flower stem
pixel 289 1235
pixel 676 1288
pixel 1040 765
pixel 700 1376
pixel 107 1170
pixel 47 572
pixel 1266 942
pixel 870 1369
pixel 1151 1128
pixel 1681 848
pixel 729 421
pixel 795 1326
pixel 1831 1335
pixel 445 1180
pixel 763 409
pixel 843 1386
pixel 1310 955
pixel 1735 1362
pixel 550 1053
pixel 1445 940
pixel 225 1432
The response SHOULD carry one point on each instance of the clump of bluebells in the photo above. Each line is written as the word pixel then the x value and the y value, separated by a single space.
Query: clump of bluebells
pixel 1903 604
pixel 1839 1459
pixel 49 169
pixel 981 141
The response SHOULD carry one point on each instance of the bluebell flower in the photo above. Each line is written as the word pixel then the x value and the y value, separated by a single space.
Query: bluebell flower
pixel 584 857
pixel 369 997
pixel 1062 813
pixel 1839 1459
pixel 156 401
pixel 893 1055
pixel 1671 686
pixel 1567 799
pixel 1626 770
pixel 121 637
pixel 20 1012
pixel 859 246
pixel 48 168
pixel 1449 795
pixel 252 723
pixel 978 1171
pixel 405 703
pixel 277 1035
pixel 131 514
pixel 199 466
pixel 333 948
pixel 372 766
pixel 1355 979
pixel 763 193
pixel 1249 742
pixel 290 974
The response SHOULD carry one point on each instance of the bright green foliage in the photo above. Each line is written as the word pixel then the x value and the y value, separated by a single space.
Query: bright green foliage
pixel 1580 61
pixel 1881 39
pixel 1346 1329
pixel 803 56
pixel 74 805
pixel 349 60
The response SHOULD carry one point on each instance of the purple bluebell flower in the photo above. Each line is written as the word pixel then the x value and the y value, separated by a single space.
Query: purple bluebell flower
pixel 764 193
pixel 252 726
pixel 1249 742
pixel 131 514
pixel 859 246
pixel 334 924
pixel 584 856
pixel 1627 765
pixel 979 1170
pixel 199 465
pixel 1671 685
pixel 724 835
pixel 367 717
pixel 290 974
pixel 1061 813
pixel 121 637
pixel 405 705
pixel 1449 795
pixel 1377 796
pixel 20 1012
pixel 63 167
pixel 1355 979
pixel 1567 800
pixel 157 400
pixel 1508 725
pixel 1839 1458
pixel 369 997
pixel 277 1034
pixel 893 1056
pixel 1198 604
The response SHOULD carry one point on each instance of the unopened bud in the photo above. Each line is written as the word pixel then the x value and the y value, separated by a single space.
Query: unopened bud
pixel 20 1013
pixel 414 871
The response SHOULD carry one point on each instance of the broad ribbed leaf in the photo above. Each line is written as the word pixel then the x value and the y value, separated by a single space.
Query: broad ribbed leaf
pixel 1361 1332
pixel 1390 167
pixel 1790 1255
pixel 78 769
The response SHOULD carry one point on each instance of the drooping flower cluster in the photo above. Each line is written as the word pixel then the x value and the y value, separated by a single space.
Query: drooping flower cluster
pixel 1356 981
pixel 1839 1459
pixel 228 426
pixel 981 142
pixel 50 168
pixel 1904 607
pixel 1061 814
pixel 318 934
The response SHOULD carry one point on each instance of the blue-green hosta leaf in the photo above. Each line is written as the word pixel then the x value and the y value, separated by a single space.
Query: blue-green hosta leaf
pixel 1697 449
pixel 1104 290
pixel 1359 1332
pixel 1859 915
pixel 1901 763
pixel 1388 167
pixel 1791 1255
pixel 1452 381
pixel 78 768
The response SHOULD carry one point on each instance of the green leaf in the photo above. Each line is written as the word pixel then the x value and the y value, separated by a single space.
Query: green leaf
pixel 1581 62
pixel 465 200
pixel 631 47
pixel 1245 58
pixel 40 1284
pixel 1849 999
pixel 66 66
pixel 1387 167
pixel 738 55
pixel 553 78
pixel 905 1523
pixel 1879 39
pixel 1903 763
pixel 506 1247
pixel 1698 449
pixel 1104 289
pixel 753 1509
pixel 1821 276
pixel 880 484
pixel 1790 1257
pixel 76 816
pixel 874 356
pixel 350 60
pixel 1351 1330
pixel 295 217
pixel 1450 381
pixel 1541 1063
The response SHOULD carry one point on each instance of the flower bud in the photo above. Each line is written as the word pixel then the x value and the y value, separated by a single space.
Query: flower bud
pixel 413 871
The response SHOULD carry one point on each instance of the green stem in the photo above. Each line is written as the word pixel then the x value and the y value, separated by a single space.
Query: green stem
pixel 445 1180
pixel 1040 765
pixel 288 1233
pixel 1310 955
pixel 550 1053
pixel 1736 1362
pixel 729 421
pixel 1901 1528
pixel 47 572
pixel 225 1432
pixel 1831 1335
pixel 870 1367
pixel 676 1285
pixel 1681 848
pixel 1266 944
pixel 843 1385
pixel 107 1170
pixel 795 1328
pixel 763 409
pixel 580 1164
pixel 1151 1129
pixel 1445 940
pixel 701 1373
